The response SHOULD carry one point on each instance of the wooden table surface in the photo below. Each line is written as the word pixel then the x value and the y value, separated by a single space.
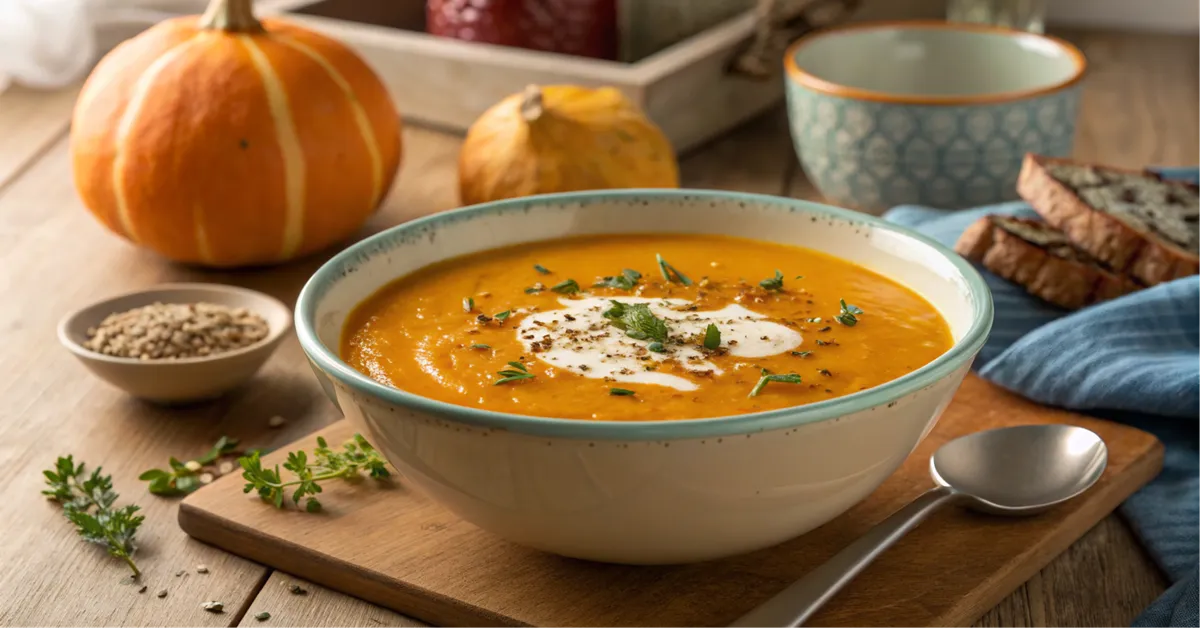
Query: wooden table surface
pixel 1140 107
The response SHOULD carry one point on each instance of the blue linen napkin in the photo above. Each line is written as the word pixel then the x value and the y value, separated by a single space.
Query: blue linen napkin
pixel 1135 359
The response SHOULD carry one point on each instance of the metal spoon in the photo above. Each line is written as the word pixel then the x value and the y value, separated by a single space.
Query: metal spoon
pixel 1019 470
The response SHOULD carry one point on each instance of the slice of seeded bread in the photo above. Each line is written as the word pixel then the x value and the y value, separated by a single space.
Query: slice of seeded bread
pixel 1042 260
pixel 1134 222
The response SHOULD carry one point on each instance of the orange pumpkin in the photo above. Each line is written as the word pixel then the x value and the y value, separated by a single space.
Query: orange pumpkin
pixel 223 141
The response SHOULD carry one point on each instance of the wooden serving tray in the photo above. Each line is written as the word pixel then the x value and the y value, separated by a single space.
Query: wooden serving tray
pixel 395 547
pixel 686 88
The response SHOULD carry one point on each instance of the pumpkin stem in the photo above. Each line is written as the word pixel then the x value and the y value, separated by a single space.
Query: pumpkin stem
pixel 235 16
pixel 532 106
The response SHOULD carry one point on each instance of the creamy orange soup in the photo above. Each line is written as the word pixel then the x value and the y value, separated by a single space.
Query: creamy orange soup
pixel 562 329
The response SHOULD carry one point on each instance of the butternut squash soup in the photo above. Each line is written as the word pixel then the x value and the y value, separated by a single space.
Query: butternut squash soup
pixel 642 328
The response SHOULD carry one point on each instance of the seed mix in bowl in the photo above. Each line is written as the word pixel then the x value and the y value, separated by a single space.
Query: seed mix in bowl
pixel 169 331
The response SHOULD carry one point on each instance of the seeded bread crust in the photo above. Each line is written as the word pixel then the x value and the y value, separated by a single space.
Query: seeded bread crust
pixel 1143 255
pixel 1040 259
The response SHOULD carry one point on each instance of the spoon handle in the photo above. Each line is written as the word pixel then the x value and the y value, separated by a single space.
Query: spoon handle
pixel 795 604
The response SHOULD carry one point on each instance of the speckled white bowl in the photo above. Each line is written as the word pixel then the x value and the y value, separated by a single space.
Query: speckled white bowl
pixel 661 491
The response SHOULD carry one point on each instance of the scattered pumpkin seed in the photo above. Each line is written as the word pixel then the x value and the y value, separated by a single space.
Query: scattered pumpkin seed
pixel 201 568
pixel 263 616
pixel 296 589
pixel 276 421
pixel 213 607
pixel 143 589
pixel 162 593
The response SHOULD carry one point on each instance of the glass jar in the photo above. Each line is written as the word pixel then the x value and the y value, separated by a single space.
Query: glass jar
pixel 1026 15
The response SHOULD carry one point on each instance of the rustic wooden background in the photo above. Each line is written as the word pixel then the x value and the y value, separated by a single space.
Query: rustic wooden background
pixel 1140 107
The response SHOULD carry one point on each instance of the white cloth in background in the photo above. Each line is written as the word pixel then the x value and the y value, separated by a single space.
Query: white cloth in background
pixel 50 43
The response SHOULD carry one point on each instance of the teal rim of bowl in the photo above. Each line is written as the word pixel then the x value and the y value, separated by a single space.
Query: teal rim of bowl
pixel 675 429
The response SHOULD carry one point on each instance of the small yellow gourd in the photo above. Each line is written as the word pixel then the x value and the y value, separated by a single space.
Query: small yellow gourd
pixel 563 138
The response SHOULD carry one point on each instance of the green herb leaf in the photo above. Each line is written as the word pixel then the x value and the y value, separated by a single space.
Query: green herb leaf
pixel 87 502
pixel 657 347
pixel 480 346
pixel 773 283
pixel 183 477
pixel 799 276
pixel 355 457
pixel 849 314
pixel 620 392
pixel 767 377
pixel 468 304
pixel 535 288
pixel 670 273
pixel 802 354
pixel 570 286
pixel 637 321
pixel 712 337
pixel 825 372
pixel 541 269
pixel 516 373
pixel 822 343
pixel 625 281
pixel 500 316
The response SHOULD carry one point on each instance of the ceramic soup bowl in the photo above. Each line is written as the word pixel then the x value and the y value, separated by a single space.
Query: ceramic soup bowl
pixel 934 113
pixel 647 492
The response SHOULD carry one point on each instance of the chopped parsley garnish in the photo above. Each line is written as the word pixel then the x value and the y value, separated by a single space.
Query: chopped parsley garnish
pixel 535 288
pixel 670 273
pixel 657 347
pixel 625 281
pixel 712 337
pixel 500 316
pixel 468 304
pixel 802 354
pixel 637 321
pixel 517 372
pixel 570 286
pixel 799 276
pixel 773 283
pixel 620 392
pixel 822 343
pixel 848 315
pixel 767 377
pixel 825 372
pixel 481 346
pixel 541 269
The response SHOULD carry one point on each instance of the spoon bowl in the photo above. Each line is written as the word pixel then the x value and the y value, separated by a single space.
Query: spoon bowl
pixel 1021 470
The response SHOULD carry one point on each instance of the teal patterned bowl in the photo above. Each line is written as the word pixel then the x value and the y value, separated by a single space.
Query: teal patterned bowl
pixel 933 113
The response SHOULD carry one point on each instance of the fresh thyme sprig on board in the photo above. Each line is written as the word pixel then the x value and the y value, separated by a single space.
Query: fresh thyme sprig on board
pixel 356 456
pixel 87 502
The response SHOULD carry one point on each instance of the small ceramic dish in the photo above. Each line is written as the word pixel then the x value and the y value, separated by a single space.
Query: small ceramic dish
pixel 932 113
pixel 647 492
pixel 187 379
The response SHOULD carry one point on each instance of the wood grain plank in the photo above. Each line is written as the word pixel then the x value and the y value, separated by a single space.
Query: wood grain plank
pixel 54 258
pixel 318 607
pixel 30 121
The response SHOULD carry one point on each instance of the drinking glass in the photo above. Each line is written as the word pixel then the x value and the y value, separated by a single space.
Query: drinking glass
pixel 1026 15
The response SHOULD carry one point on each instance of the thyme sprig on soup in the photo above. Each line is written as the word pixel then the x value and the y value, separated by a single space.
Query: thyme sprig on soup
pixel 642 327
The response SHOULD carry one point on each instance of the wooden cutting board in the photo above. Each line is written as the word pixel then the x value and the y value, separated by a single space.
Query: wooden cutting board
pixel 391 545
